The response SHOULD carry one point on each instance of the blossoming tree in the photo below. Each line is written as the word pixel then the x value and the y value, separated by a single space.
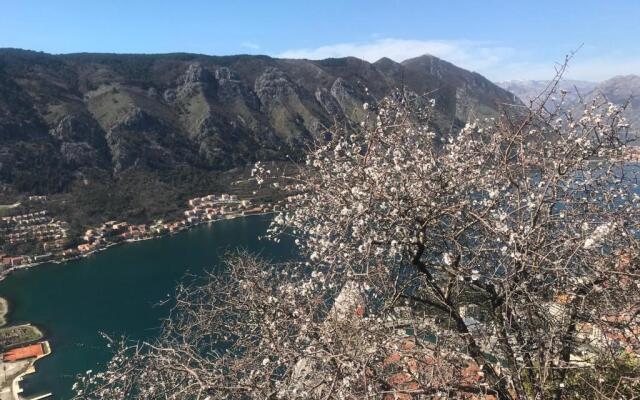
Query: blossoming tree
pixel 499 260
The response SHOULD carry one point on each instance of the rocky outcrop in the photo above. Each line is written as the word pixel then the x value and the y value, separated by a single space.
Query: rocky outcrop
pixel 195 77
pixel 287 107
pixel 328 102
pixel 273 87
pixel 308 374
pixel 79 154
pixel 136 119
pixel 231 89
pixel 66 129
pixel 348 98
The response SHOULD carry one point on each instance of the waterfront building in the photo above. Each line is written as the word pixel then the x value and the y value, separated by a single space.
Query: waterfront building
pixel 24 353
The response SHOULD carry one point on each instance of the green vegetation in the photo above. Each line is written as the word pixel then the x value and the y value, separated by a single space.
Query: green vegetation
pixel 6 208
pixel 141 196
pixel 17 335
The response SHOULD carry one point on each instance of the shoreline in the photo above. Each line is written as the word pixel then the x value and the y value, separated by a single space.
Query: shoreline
pixel 11 270
pixel 10 387
pixel 15 384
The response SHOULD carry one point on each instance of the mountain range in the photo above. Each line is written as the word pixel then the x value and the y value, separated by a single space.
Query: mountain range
pixel 618 90
pixel 75 117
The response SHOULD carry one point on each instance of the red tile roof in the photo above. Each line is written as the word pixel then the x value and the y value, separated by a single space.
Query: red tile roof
pixel 22 353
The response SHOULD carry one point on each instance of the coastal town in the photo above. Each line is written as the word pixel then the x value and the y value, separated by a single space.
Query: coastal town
pixel 37 226
pixel 22 345
pixel 51 235
pixel 204 209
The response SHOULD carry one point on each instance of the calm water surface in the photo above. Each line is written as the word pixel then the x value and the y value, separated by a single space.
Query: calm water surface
pixel 117 292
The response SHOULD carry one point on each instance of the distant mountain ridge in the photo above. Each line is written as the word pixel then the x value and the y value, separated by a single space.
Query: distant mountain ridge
pixel 618 90
pixel 528 90
pixel 623 89
pixel 65 118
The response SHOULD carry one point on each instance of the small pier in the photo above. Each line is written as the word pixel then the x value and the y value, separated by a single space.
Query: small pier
pixel 42 396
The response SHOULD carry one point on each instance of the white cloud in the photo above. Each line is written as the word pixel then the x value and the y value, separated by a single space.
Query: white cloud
pixel 470 54
pixel 250 45
pixel 495 61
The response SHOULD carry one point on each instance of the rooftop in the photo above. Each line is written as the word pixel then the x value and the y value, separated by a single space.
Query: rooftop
pixel 22 353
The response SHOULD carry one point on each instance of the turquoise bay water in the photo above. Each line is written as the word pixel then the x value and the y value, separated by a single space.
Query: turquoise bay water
pixel 117 292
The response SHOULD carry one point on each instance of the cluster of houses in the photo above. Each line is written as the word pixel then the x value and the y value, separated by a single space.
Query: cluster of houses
pixel 112 232
pixel 201 209
pixel 24 219
pixel 34 226
pixel 38 198
pixel 11 261
pixel 95 238
pixel 212 207
pixel 52 234
pixel 7 261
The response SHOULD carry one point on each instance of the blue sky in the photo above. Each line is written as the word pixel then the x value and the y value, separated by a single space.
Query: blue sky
pixel 503 40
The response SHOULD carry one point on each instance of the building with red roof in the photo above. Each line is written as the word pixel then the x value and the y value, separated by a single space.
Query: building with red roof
pixel 23 353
